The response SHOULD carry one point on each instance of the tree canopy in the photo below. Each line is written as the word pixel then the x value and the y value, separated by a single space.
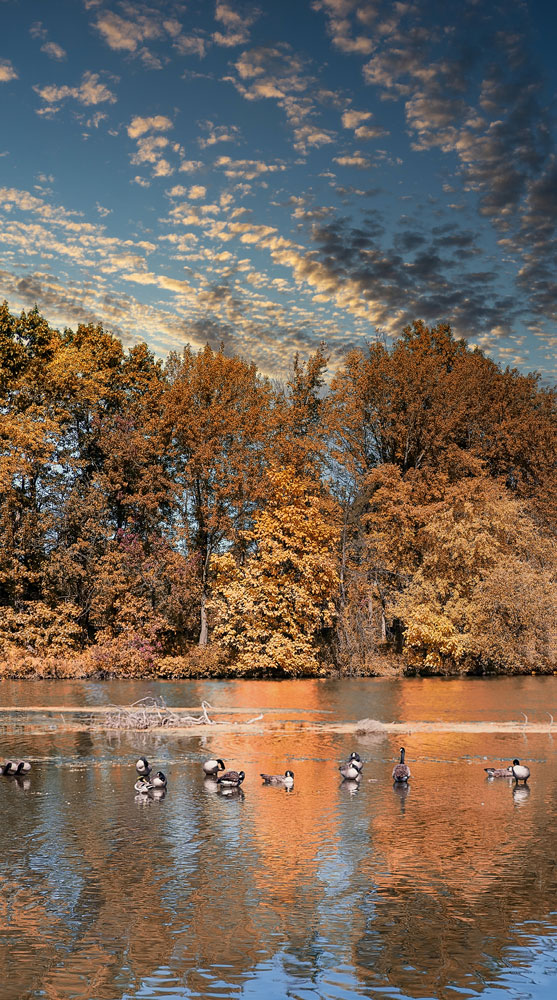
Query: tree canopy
pixel 406 507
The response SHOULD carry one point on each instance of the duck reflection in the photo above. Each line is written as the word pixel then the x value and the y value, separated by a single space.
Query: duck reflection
pixel 521 793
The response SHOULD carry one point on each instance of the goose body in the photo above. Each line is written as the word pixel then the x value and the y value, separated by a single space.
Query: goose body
pixel 519 771
pixel 231 779
pixel 159 780
pixel 143 786
pixel 12 767
pixel 499 772
pixel 401 771
pixel 356 761
pixel 349 772
pixel 286 779
pixel 143 766
pixel 213 766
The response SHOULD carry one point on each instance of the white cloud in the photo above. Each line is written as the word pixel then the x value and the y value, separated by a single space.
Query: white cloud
pixel 91 91
pixel 124 35
pixel 54 51
pixel 197 191
pixel 7 71
pixel 139 126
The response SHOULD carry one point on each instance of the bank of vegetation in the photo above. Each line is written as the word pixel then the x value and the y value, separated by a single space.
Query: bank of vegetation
pixel 192 518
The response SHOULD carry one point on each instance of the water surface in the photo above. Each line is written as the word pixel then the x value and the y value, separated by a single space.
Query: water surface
pixel 444 889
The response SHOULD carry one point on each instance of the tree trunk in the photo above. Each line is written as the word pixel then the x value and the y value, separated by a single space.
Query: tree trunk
pixel 204 625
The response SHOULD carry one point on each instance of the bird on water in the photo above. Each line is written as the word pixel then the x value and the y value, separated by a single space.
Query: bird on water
pixel 350 772
pixel 213 766
pixel 231 779
pixel 401 771
pixel 143 766
pixel 285 780
pixel 519 771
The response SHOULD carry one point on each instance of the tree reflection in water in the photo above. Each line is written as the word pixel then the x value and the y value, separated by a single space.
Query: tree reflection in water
pixel 442 888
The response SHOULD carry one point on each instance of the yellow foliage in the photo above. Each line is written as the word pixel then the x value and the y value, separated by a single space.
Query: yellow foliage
pixel 272 611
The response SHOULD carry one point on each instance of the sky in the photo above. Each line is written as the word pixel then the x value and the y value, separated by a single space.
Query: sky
pixel 273 175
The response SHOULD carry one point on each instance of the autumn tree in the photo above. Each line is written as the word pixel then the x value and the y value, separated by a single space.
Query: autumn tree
pixel 275 609
pixel 215 413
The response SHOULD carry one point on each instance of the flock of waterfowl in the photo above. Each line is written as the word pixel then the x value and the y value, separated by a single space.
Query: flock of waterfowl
pixel 228 781
pixel 220 779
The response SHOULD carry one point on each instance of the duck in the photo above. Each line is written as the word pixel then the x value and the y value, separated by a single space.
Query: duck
pixel 231 779
pixel 23 767
pixel 143 766
pixel 350 772
pixel 159 780
pixel 519 771
pixel 401 771
pixel 499 772
pixel 286 779
pixel 213 766
pixel 8 767
pixel 143 786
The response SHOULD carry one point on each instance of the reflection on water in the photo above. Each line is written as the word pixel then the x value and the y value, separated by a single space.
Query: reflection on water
pixel 335 889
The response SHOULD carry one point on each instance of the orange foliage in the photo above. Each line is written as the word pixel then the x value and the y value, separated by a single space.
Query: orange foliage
pixel 136 497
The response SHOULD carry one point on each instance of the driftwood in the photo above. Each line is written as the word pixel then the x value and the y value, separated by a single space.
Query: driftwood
pixel 368 726
pixel 153 713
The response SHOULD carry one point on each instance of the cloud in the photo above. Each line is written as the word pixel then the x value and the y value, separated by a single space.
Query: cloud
pixel 189 166
pixel 91 91
pixel 237 24
pixel 246 169
pixel 7 71
pixel 139 126
pixel 124 35
pixel 355 159
pixel 218 133
pixel 54 51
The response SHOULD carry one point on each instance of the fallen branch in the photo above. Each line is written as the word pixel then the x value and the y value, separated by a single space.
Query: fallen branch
pixel 153 713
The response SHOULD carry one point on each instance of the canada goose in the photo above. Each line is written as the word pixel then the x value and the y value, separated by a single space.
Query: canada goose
pixel 401 771
pixel 519 771
pixel 231 779
pixel 12 767
pixel 349 772
pixel 143 766
pixel 356 761
pixel 286 779
pixel 159 780
pixel 143 786
pixel 213 766
pixel 499 772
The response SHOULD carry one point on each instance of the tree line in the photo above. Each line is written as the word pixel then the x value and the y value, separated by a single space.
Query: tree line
pixel 402 511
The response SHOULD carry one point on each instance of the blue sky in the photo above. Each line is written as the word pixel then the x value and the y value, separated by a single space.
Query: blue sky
pixel 276 174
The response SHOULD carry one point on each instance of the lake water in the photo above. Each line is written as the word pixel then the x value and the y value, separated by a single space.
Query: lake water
pixel 447 889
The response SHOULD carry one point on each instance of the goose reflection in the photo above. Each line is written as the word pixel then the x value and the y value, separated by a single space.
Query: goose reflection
pixel 521 793
pixel 24 784
pixel 402 790
pixel 230 792
pixel 210 785
pixel 350 786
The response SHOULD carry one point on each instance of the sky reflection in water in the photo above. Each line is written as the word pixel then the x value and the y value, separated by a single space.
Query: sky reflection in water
pixel 444 889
